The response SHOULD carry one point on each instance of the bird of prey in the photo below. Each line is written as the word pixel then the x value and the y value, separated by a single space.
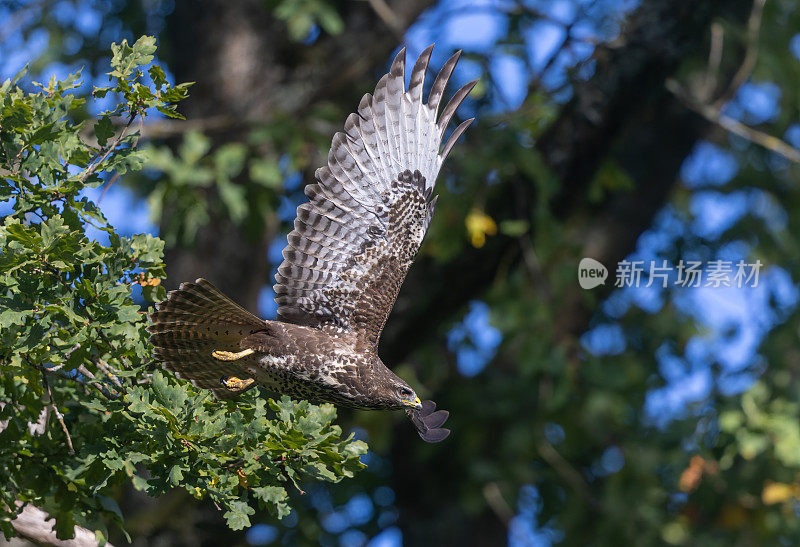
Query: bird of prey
pixel 346 257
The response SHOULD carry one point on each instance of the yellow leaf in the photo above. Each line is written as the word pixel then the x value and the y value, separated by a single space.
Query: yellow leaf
pixel 242 478
pixel 732 516
pixel 778 492
pixel 479 225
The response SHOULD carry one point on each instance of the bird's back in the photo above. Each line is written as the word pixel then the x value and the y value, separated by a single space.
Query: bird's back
pixel 197 321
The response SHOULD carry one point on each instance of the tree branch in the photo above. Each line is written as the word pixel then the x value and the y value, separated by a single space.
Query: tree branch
pixel 57 412
pixel 36 525
pixel 715 116
pixel 109 148
pixel 388 16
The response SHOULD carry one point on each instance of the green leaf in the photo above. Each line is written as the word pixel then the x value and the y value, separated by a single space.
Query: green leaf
pixel 157 75
pixel 110 505
pixel 229 159
pixel 143 50
pixel 176 474
pixel 267 173
pixel 154 293
pixel 19 75
pixel 275 498
pixel 65 526
pixel 44 133
pixel 104 130
pixel 234 198
pixel 126 58
pixel 330 20
pixel 195 145
pixel 237 515
pixel 172 397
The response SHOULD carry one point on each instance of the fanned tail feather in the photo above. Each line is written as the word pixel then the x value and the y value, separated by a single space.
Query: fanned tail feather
pixel 192 323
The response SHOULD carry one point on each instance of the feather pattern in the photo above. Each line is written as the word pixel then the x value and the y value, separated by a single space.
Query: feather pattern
pixel 371 206
pixel 346 258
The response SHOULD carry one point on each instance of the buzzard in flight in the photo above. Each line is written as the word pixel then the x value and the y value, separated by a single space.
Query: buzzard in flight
pixel 347 256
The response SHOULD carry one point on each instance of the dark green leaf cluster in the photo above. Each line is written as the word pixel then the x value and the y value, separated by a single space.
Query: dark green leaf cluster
pixel 240 181
pixel 126 77
pixel 81 411
pixel 302 15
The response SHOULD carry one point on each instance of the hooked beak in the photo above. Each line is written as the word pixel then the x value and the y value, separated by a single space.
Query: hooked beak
pixel 416 404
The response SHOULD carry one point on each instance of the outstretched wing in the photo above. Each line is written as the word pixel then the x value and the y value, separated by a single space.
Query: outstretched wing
pixel 369 210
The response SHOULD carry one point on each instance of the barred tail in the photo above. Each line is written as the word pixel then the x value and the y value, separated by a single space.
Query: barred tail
pixel 192 323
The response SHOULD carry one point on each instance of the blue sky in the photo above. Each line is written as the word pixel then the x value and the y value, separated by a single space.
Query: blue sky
pixel 734 321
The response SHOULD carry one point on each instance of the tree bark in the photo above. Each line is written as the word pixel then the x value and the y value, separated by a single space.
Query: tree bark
pixel 36 525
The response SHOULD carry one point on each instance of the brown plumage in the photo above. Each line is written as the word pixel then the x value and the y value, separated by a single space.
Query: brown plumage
pixel 345 261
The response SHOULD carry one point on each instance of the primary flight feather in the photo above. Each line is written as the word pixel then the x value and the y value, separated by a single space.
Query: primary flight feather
pixel 345 261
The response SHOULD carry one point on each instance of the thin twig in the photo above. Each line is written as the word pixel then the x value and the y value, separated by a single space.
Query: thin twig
pixel 17 161
pixel 98 383
pixel 107 186
pixel 714 61
pixel 166 128
pixel 107 370
pixel 759 137
pixel 116 175
pixel 494 498
pixel 72 349
pixel 750 56
pixel 567 472
pixel 712 114
pixel 382 9
pixel 110 148
pixel 72 378
pixel 58 414
pixel 86 372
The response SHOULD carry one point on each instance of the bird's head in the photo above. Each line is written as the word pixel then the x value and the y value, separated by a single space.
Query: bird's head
pixel 423 414
pixel 403 396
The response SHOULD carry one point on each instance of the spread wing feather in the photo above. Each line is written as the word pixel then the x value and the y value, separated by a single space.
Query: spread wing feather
pixel 370 208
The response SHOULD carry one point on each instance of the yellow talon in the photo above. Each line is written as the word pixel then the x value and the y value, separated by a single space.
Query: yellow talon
pixel 237 384
pixel 230 356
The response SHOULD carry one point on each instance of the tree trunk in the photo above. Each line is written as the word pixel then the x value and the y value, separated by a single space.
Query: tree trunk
pixel 623 114
pixel 248 69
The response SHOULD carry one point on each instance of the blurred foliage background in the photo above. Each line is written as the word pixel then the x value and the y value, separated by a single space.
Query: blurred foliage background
pixel 661 130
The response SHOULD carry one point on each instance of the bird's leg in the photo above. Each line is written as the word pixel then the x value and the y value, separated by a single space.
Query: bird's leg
pixel 231 356
pixel 237 384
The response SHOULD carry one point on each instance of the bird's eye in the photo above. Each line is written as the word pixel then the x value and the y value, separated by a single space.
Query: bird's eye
pixel 405 393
